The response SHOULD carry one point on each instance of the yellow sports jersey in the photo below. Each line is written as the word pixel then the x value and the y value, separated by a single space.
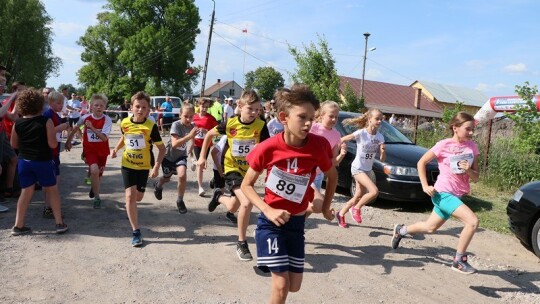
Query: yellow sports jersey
pixel 241 138
pixel 138 140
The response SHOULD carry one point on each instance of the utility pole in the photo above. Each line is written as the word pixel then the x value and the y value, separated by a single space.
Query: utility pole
pixel 364 68
pixel 208 50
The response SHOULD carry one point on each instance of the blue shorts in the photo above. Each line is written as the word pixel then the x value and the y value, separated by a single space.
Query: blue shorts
pixel 317 182
pixel 33 171
pixel 169 168
pixel 280 249
pixel 445 204
pixel 56 161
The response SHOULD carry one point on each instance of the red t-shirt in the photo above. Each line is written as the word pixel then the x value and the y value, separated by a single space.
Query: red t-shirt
pixel 206 122
pixel 6 122
pixel 91 142
pixel 290 170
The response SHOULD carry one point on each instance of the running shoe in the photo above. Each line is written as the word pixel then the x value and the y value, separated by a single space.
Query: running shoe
pixel 463 266
pixel 87 180
pixel 97 203
pixel 137 239
pixel 214 202
pixel 396 237
pixel 356 214
pixel 91 193
pixel 341 220
pixel 61 228
pixel 19 231
pixel 193 164
pixel 158 192
pixel 231 217
pixel 201 191
pixel 242 250
pixel 181 206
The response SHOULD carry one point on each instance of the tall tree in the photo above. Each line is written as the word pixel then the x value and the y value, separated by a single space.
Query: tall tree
pixel 264 80
pixel 25 42
pixel 316 68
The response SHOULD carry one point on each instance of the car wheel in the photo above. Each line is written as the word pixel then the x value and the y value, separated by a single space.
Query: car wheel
pixel 535 238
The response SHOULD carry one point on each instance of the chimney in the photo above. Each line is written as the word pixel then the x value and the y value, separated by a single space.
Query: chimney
pixel 417 97
pixel 218 80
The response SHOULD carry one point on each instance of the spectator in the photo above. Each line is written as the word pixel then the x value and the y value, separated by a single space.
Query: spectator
pixel 392 120
pixel 8 156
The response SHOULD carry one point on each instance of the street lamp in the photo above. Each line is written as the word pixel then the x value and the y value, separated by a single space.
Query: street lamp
pixel 364 68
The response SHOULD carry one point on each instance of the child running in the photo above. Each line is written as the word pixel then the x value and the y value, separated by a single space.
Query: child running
pixel 217 182
pixel 290 160
pixel 368 142
pixel 34 136
pixel 96 129
pixel 327 116
pixel 243 133
pixel 175 161
pixel 138 133
pixel 204 122
pixel 458 163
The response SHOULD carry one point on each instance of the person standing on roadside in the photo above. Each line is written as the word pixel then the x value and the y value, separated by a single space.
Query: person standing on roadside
pixel 457 157
pixel 168 115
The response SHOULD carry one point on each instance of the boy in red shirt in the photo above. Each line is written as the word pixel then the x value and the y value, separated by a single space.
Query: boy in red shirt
pixel 97 128
pixel 205 122
pixel 290 160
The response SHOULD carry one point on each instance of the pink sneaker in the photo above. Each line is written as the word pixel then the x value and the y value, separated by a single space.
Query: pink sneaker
pixel 356 215
pixel 341 220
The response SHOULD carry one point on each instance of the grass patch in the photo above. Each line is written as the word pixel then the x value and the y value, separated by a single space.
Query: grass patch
pixel 489 205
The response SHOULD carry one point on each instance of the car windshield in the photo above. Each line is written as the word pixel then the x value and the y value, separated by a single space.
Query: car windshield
pixel 175 101
pixel 390 134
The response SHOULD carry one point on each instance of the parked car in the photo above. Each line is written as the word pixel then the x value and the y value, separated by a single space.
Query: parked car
pixel 524 215
pixel 396 177
pixel 156 101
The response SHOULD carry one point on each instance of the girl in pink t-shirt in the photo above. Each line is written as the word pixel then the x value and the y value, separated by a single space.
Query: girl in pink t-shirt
pixel 324 126
pixel 458 163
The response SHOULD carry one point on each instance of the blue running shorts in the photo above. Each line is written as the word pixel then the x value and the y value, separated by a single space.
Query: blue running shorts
pixel 33 171
pixel 445 204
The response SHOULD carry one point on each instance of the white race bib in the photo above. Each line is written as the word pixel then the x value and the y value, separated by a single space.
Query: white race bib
pixel 456 159
pixel 200 134
pixel 289 186
pixel 92 137
pixel 241 147
pixel 59 137
pixel 183 147
pixel 135 141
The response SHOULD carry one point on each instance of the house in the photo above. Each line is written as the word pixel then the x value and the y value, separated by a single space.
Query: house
pixel 393 98
pixel 447 95
pixel 224 89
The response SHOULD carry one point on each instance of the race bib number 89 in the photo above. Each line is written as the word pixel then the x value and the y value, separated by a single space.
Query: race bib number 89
pixel 289 186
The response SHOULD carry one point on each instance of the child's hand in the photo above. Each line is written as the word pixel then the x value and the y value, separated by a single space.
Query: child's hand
pixel 277 216
pixel 193 132
pixel 155 172
pixel 201 163
pixel 113 153
pixel 429 190
pixel 343 150
pixel 65 126
pixel 329 214
pixel 464 165
pixel 89 124
pixel 68 146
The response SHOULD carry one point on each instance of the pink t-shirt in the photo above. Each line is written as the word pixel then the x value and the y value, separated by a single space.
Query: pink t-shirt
pixel 449 153
pixel 332 136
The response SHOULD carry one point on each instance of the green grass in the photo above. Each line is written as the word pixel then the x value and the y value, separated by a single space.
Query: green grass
pixel 489 204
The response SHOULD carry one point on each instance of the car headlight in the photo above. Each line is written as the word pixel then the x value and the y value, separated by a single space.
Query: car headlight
pixel 518 195
pixel 397 170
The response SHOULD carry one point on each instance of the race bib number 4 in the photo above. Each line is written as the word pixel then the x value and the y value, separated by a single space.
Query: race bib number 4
pixel 92 137
pixel 241 147
pixel 288 186
pixel 135 141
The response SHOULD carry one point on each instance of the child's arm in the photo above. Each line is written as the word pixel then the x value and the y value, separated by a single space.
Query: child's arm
pixel 206 143
pixel 178 141
pixel 347 138
pixel 70 137
pixel 98 133
pixel 277 216
pixel 14 141
pixel 383 152
pixel 339 153
pixel 217 160
pixel 471 170
pixel 331 184
pixel 426 158
pixel 51 135
pixel 5 108
pixel 118 146
pixel 159 160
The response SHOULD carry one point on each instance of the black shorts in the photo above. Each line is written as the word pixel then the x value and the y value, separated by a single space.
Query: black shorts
pixel 219 181
pixel 169 168
pixel 233 180
pixel 134 177
pixel 73 121
pixel 167 122
pixel 197 151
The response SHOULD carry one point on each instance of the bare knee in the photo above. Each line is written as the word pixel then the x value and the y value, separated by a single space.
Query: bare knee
pixel 295 287
pixel 473 222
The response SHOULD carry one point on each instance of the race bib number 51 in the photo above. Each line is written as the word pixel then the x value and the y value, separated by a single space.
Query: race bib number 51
pixel 289 186
pixel 135 141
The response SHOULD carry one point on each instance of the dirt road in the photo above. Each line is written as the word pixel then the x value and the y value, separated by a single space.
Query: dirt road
pixel 191 258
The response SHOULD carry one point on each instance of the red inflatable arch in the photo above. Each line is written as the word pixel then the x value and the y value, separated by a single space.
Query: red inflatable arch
pixel 502 104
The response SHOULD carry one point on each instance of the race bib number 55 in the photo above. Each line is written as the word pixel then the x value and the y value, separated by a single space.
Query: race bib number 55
pixel 289 186
pixel 241 147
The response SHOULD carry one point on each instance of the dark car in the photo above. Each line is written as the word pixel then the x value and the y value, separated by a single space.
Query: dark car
pixel 524 215
pixel 397 177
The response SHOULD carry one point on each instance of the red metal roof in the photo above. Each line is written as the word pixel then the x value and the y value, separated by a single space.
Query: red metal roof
pixel 388 96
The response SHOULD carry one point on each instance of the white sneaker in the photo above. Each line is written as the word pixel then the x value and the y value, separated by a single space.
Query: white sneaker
pixel 193 165
pixel 201 191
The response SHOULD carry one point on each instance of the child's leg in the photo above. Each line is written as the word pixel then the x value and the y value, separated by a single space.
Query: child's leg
pixel 182 180
pixel 132 196
pixel 22 205
pixel 162 181
pixel 469 219
pixel 433 223
pixel 372 191
pixel 94 177
pixel 354 200
pixel 280 287
pixel 200 176
pixel 243 214
pixel 54 196
pixel 47 198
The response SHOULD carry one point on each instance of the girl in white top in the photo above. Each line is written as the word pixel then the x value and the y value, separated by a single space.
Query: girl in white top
pixel 369 141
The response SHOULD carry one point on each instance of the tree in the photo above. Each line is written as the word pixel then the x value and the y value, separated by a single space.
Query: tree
pixel 140 45
pixel 527 119
pixel 25 42
pixel 264 80
pixel 352 102
pixel 449 113
pixel 316 68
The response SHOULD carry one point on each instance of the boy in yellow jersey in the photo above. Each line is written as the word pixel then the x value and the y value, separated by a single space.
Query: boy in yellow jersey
pixel 243 133
pixel 138 135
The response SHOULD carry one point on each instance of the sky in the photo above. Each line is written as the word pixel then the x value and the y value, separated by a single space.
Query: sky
pixel 489 45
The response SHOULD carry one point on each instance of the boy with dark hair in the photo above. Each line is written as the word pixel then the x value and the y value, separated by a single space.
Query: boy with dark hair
pixel 290 160
pixel 243 133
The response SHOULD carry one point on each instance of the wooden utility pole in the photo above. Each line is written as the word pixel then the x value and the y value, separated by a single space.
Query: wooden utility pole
pixel 208 50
